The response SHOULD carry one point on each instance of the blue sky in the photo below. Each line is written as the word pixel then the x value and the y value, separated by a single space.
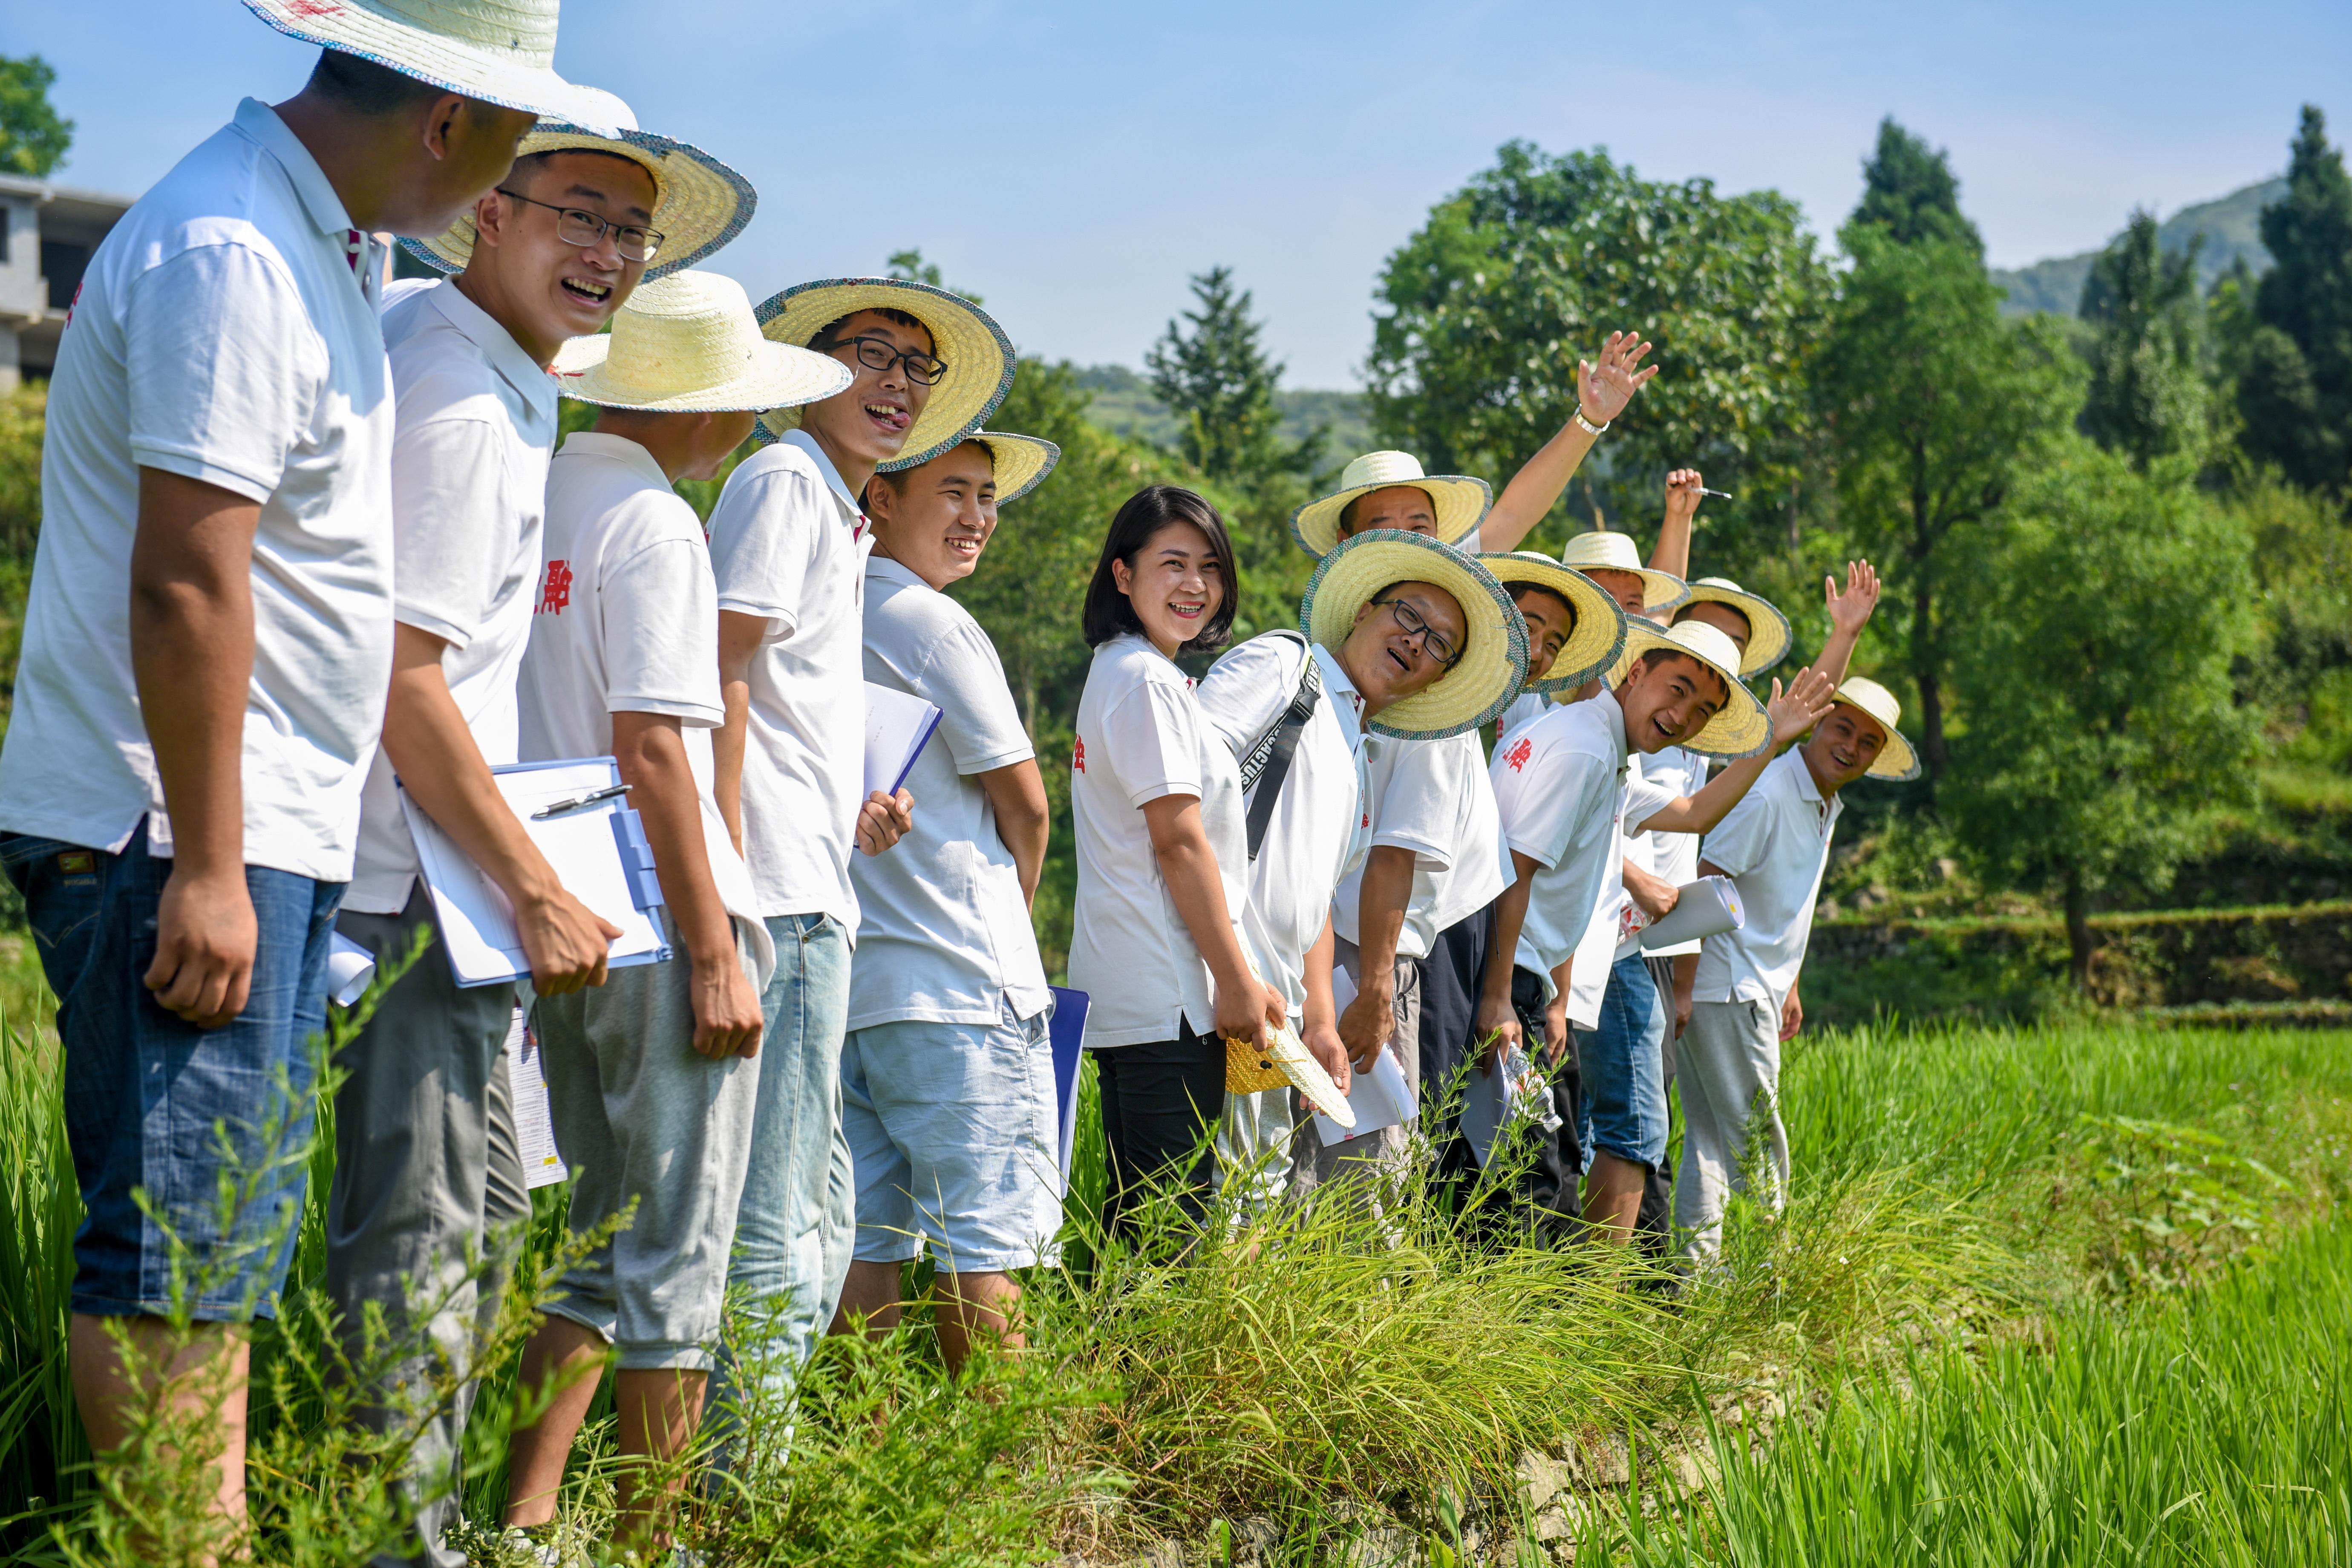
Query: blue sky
pixel 1074 162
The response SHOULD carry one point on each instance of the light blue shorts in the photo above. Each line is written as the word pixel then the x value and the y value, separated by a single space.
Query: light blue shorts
pixel 952 1130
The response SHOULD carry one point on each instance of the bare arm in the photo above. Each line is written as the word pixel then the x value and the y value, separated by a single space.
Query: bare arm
pixel 1651 894
pixel 739 636
pixel 1673 553
pixel 433 750
pixel 1497 1019
pixel 192 659
pixel 1555 1012
pixel 1792 713
pixel 652 755
pixel 1380 920
pixel 1603 391
pixel 1319 1028
pixel 1246 1005
pixel 1016 792
pixel 1849 613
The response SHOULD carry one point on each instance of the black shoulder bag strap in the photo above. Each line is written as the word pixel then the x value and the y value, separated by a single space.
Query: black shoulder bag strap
pixel 1267 763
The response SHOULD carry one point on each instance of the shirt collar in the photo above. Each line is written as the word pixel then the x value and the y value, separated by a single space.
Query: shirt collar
pixel 620 449
pixel 1612 723
pixel 825 470
pixel 259 121
pixel 1807 790
pixel 499 349
pixel 1347 701
pixel 891 570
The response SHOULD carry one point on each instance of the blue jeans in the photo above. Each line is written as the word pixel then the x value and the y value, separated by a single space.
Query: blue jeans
pixel 1625 1091
pixel 150 1100
pixel 797 1221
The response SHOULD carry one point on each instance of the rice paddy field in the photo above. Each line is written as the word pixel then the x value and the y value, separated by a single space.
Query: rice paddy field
pixel 2080 1294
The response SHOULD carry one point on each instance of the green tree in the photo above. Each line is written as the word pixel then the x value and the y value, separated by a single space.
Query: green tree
pixel 1932 400
pixel 1909 190
pixel 1214 374
pixel 911 265
pixel 2147 398
pixel 1482 314
pixel 2102 618
pixel 2296 391
pixel 33 136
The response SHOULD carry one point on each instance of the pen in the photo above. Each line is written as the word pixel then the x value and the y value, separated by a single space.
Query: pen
pixel 576 802
pixel 1716 494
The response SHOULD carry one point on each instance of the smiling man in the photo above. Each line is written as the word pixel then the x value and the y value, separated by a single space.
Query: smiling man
pixel 1774 847
pixel 789 540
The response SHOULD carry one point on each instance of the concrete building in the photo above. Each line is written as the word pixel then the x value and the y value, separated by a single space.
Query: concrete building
pixel 47 234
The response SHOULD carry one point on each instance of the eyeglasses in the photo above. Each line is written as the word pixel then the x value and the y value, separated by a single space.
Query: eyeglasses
pixel 881 354
pixel 1440 647
pixel 574 226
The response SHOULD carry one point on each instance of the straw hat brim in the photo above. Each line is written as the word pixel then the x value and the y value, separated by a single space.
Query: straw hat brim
pixel 1769 636
pixel 702 202
pixel 1021 462
pixel 1739 729
pixel 1495 654
pixel 979 356
pixel 778 374
pixel 1600 631
pixel 453 65
pixel 1458 500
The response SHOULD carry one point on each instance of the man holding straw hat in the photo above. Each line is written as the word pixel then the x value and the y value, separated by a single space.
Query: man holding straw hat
pixel 429 1198
pixel 206 648
pixel 651 1084
pixel 1404 639
pixel 1774 846
pixel 789 542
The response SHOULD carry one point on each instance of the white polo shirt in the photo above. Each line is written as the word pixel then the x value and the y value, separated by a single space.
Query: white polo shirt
pixel 789 544
pixel 626 621
pixel 1526 707
pixel 1142 735
pixel 1320 828
pixel 1675 856
pixel 476 426
pixel 1559 785
pixel 1433 798
pixel 1774 845
pixel 225 330
pixel 943 933
pixel 1608 938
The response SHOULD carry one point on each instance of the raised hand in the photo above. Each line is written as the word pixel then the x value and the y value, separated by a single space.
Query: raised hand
pixel 1800 707
pixel 1851 609
pixel 1604 390
pixel 1683 495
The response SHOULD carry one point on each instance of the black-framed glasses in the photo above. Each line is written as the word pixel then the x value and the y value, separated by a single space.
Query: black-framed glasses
pixel 881 354
pixel 577 225
pixel 1440 648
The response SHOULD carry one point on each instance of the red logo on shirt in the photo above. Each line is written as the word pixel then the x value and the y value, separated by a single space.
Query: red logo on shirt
pixel 1079 756
pixel 555 588
pixel 1517 755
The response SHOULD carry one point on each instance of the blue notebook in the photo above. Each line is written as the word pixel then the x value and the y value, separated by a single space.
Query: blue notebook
pixel 1068 1033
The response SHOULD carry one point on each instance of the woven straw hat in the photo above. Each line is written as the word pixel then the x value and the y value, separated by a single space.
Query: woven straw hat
pixel 979 356
pixel 1768 628
pixel 1898 762
pixel 1287 1060
pixel 1495 656
pixel 688 345
pixel 1740 728
pixel 1600 629
pixel 501 51
pixel 1458 501
pixel 1603 550
pixel 1022 462
pixel 699 204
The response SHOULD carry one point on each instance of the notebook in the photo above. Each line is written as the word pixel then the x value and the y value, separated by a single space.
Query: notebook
pixel 1066 1032
pixel 899 724
pixel 1708 907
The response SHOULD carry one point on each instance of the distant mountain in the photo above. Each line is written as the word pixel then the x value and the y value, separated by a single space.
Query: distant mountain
pixel 1124 404
pixel 2232 228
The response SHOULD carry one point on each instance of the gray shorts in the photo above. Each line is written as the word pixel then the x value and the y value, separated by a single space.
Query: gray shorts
pixel 642 1119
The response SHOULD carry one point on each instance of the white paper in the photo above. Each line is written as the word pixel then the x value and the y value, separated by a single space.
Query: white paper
pixel 534 1134
pixel 1380 1097
pixel 1494 1100
pixel 897 723
pixel 1708 907
pixel 473 923
pixel 351 970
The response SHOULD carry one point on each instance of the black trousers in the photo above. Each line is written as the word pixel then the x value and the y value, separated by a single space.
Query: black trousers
pixel 1160 1102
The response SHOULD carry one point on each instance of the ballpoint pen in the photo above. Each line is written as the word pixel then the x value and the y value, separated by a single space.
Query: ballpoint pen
pixel 576 802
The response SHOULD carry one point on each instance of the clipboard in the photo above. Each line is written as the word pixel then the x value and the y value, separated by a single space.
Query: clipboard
pixel 599 850
pixel 1068 1033
pixel 899 725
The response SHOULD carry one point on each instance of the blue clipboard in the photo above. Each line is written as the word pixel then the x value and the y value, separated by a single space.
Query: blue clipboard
pixel 1068 1033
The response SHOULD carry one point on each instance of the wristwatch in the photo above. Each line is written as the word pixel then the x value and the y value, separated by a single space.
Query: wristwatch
pixel 1587 425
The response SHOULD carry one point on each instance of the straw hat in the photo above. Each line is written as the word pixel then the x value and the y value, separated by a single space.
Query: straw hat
pixel 1458 501
pixel 1495 656
pixel 979 356
pixel 501 51
pixel 1022 462
pixel 1285 1060
pixel 1740 728
pixel 1603 551
pixel 688 345
pixel 1768 628
pixel 1898 761
pixel 1600 631
pixel 699 204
